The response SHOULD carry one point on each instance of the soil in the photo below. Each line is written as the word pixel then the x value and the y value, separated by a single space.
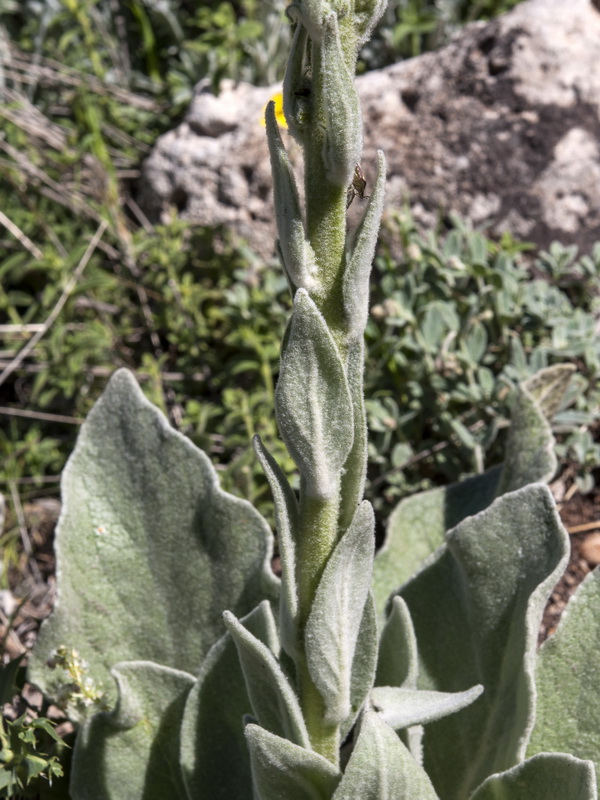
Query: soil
pixel 580 515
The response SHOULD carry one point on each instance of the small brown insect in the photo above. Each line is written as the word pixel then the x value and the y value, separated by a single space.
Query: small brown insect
pixel 357 187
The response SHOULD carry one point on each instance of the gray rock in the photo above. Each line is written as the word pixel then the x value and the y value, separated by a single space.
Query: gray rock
pixel 501 126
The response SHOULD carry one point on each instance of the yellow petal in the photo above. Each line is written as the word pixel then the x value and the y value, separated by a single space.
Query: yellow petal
pixel 279 115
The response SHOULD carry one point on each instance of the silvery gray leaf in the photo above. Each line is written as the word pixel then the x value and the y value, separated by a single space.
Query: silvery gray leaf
pixel 133 751
pixel 402 708
pixel 312 400
pixel 281 769
pixel 274 702
pixel 398 663
pixel 333 624
pixel 286 515
pixel 214 754
pixel 298 257
pixel 360 258
pixel 143 517
pixel 476 610
pixel 343 128
pixel 381 768
pixel 549 776
pixel 567 679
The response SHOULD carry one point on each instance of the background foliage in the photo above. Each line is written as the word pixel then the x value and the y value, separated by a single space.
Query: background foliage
pixel 86 86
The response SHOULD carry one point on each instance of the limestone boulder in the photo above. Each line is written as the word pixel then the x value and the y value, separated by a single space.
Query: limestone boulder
pixel 501 126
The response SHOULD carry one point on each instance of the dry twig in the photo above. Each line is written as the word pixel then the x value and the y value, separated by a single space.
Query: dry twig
pixel 585 527
pixel 20 236
pixel 21 412
pixel 16 500
pixel 19 66
pixel 24 352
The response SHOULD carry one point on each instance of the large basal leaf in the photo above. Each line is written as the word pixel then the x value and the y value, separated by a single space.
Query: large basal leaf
pixel 550 776
pixel 133 751
pixel 381 768
pixel 150 550
pixel 568 680
pixel 417 525
pixel 476 610
pixel 214 755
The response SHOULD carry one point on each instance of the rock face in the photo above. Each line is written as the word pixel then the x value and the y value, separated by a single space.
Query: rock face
pixel 501 126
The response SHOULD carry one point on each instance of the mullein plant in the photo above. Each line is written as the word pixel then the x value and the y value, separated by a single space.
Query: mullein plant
pixel 413 676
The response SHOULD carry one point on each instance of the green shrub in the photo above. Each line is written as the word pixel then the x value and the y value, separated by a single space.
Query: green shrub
pixel 455 324
pixel 453 329
pixel 411 27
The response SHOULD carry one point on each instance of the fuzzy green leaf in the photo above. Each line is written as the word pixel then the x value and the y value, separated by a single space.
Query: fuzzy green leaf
pixel 381 768
pixel 401 708
pixel 476 609
pixel 144 520
pixel 296 87
pixel 364 665
pixel 367 14
pixel 417 526
pixel 312 400
pixel 355 468
pixel 309 13
pixel 333 624
pixel 214 753
pixel 133 751
pixel 568 680
pixel 360 258
pixel 298 257
pixel 343 127
pixel 549 776
pixel 274 702
pixel 286 516
pixel 281 769
pixel 398 663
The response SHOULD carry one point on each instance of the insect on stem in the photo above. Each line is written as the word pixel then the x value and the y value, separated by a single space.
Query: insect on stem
pixel 357 187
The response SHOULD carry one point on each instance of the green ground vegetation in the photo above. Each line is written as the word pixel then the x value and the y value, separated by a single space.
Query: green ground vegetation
pixel 88 285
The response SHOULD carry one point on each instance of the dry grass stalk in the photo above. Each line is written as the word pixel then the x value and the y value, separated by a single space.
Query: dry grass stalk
pixel 24 352
pixel 20 236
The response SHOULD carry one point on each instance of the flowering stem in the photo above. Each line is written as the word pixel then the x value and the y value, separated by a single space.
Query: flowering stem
pixel 319 404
